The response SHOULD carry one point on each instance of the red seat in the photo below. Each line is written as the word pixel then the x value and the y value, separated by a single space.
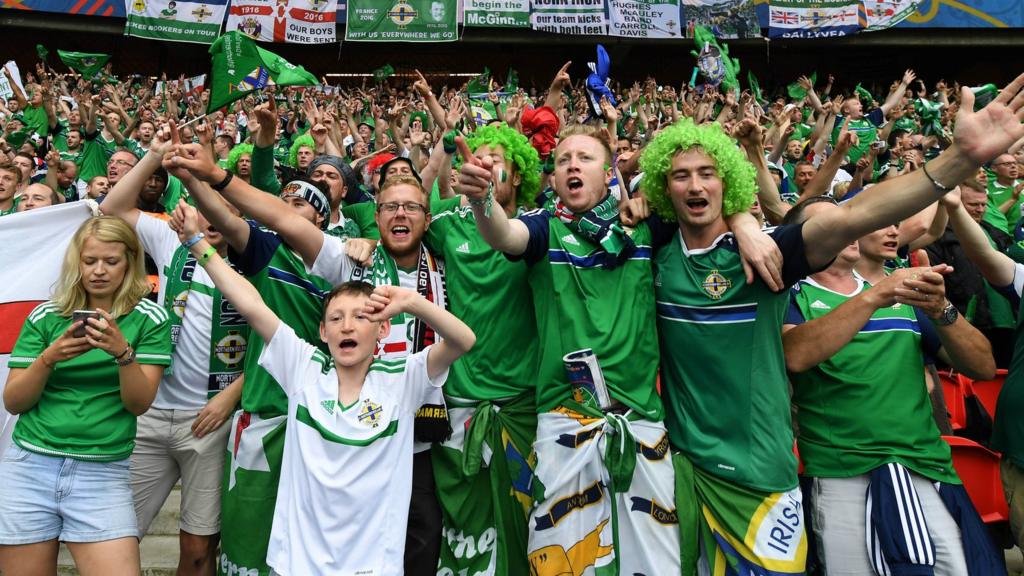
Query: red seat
pixel 978 468
pixel 953 392
pixel 987 391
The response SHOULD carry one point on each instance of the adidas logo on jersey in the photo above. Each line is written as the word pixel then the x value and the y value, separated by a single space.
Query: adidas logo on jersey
pixel 570 239
pixel 463 248
pixel 328 405
pixel 657 279
pixel 818 304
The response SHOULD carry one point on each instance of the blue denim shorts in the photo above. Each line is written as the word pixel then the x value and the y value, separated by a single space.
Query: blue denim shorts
pixel 47 497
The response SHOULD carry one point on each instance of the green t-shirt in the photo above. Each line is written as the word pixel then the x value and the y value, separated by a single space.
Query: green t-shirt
pixel 580 304
pixel 997 195
pixel 13 208
pixel 1008 428
pixel 363 215
pixel 79 413
pixel 92 161
pixel 483 287
pixel 723 372
pixel 35 118
pixel 866 130
pixel 867 405
pixel 297 299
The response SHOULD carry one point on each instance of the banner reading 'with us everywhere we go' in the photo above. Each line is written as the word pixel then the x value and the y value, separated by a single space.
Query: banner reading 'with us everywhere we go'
pixel 402 20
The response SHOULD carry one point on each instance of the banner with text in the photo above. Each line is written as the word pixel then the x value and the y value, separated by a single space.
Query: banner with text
pixel 291 21
pixel 176 20
pixel 817 19
pixel 586 17
pixel 644 18
pixel 497 13
pixel 724 18
pixel 402 20
pixel 5 87
pixel 882 14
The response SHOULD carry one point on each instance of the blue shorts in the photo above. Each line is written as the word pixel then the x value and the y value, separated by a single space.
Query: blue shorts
pixel 47 497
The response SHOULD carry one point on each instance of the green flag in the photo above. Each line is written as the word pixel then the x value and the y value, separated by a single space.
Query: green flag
pixel 796 91
pixel 714 62
pixel 42 51
pixel 755 87
pixel 479 84
pixel 240 66
pixel 512 81
pixel 381 74
pixel 87 65
pixel 983 95
pixel 864 95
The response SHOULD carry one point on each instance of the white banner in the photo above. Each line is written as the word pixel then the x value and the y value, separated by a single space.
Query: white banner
pixel 32 246
pixel 292 21
pixel 578 17
pixel 5 87
pixel 644 18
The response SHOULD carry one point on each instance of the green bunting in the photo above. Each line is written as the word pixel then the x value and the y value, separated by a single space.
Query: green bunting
pixel 796 91
pixel 240 67
pixel 714 61
pixel 755 88
pixel 381 74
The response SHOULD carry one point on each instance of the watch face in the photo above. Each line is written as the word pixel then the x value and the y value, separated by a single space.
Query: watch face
pixel 949 314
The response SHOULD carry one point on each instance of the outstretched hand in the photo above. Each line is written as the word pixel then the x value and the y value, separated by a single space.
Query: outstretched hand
pixel 983 135
pixel 476 175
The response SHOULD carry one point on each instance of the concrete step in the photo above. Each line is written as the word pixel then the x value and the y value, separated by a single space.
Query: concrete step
pixel 159 557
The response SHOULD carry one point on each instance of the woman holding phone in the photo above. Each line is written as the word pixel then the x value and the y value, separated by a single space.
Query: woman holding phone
pixel 86 364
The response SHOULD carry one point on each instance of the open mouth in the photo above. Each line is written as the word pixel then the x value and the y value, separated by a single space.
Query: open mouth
pixel 400 231
pixel 574 183
pixel 347 344
pixel 697 204
pixel 891 245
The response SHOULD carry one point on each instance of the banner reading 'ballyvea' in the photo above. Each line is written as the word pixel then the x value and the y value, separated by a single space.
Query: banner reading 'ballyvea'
pixel 176 20
pixel 818 19
pixel 293 21
pixel 497 13
pixel 577 17
pixel 402 20
pixel 644 18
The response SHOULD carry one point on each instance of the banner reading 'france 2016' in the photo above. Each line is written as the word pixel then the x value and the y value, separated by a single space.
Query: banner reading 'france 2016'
pixel 402 20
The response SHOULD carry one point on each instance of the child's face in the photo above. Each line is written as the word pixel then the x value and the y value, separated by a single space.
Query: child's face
pixel 350 336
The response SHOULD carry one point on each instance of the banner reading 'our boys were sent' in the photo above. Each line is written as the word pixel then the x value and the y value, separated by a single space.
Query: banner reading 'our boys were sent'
pixel 402 20
pixel 292 21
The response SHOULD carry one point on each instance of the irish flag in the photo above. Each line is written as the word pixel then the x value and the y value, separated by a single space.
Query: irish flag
pixel 32 246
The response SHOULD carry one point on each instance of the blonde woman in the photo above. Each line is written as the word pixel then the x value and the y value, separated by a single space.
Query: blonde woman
pixel 78 386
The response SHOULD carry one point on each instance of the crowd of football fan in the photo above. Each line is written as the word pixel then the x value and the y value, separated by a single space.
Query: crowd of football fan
pixel 678 295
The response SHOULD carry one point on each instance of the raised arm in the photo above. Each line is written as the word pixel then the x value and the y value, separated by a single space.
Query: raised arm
pixel 236 289
pixel 475 179
pixel 996 267
pixel 979 137
pixel 560 81
pixel 748 133
pixel 896 95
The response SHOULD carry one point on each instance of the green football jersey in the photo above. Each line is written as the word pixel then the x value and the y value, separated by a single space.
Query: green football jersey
pixel 865 128
pixel 868 404
pixel 580 304
pixel 363 215
pixel 997 195
pixel 92 161
pixel 483 287
pixel 294 295
pixel 35 117
pixel 1008 428
pixel 13 208
pixel 79 413
pixel 723 373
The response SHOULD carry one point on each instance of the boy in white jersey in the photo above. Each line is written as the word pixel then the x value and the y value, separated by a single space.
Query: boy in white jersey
pixel 347 471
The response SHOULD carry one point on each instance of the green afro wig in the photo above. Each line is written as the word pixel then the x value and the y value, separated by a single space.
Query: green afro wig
pixel 518 150
pixel 293 152
pixel 422 116
pixel 737 174
pixel 236 153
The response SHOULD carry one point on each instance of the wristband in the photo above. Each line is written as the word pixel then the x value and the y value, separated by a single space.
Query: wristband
pixel 220 186
pixel 194 240
pixel 205 256
pixel 121 355
pixel 935 183
pixel 484 202
pixel 128 359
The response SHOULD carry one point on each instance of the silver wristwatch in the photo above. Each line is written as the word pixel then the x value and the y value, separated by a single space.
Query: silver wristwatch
pixel 949 314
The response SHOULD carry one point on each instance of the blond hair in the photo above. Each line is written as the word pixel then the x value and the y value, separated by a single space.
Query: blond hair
pixel 70 295
pixel 590 131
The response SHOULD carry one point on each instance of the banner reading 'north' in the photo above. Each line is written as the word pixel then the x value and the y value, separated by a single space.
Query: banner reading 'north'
pixel 402 20
pixel 176 20
pixel 292 21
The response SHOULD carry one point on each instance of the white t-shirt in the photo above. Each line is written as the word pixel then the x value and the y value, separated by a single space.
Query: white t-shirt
pixel 185 386
pixel 335 266
pixel 346 478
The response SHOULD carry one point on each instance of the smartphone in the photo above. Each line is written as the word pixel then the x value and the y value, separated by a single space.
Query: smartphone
pixel 81 315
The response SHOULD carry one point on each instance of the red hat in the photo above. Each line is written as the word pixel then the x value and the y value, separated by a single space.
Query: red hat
pixel 540 125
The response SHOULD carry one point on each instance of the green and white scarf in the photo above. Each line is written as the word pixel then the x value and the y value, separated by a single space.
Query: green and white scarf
pixel 601 226
pixel 229 332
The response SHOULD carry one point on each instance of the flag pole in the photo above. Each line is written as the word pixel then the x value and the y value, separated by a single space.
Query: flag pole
pixel 193 121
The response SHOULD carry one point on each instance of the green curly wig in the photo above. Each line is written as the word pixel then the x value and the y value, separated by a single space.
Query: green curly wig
pixel 517 148
pixel 293 152
pixel 737 174
pixel 236 153
pixel 423 119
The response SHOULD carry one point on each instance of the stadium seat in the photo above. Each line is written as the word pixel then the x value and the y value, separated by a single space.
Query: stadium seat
pixel 978 468
pixel 953 392
pixel 987 391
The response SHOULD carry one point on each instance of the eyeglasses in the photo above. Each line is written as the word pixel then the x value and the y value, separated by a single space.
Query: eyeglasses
pixel 120 162
pixel 410 207
pixel 1005 163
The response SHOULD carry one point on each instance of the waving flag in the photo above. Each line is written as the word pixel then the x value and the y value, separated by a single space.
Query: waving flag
pixel 821 19
pixel 88 65
pixel 176 20
pixel 32 246
pixel 240 67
